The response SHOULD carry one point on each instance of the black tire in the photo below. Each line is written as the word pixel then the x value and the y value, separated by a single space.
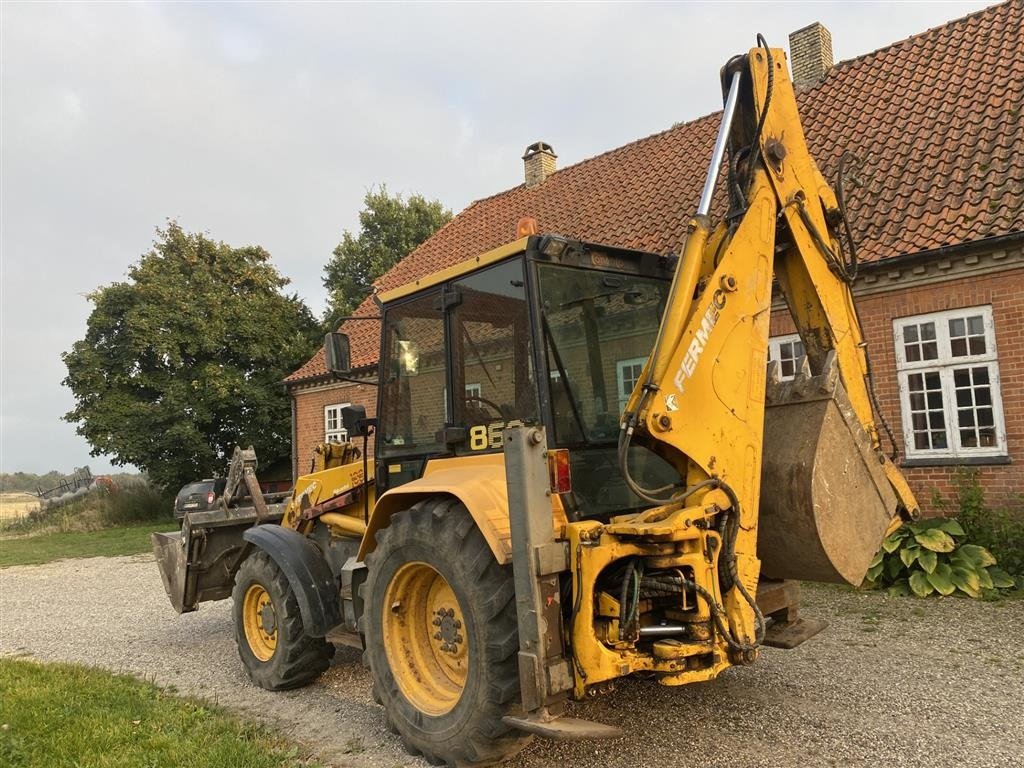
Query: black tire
pixel 441 533
pixel 297 659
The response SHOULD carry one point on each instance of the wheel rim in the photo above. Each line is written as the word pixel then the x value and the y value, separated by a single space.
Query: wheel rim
pixel 425 639
pixel 259 618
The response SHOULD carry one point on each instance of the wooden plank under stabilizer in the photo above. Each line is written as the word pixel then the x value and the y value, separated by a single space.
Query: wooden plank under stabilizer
pixel 779 601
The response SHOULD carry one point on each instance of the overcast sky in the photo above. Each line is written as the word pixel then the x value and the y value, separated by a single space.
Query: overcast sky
pixel 266 124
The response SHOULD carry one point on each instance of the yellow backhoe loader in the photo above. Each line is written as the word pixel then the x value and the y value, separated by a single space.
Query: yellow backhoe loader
pixel 584 467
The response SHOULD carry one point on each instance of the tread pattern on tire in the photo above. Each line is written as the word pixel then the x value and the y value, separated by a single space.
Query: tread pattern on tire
pixel 299 658
pixel 480 738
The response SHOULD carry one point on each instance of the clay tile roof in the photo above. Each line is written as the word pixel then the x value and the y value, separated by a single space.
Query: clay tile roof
pixel 936 118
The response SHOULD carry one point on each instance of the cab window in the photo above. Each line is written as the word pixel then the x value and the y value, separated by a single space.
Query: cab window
pixel 414 377
pixel 491 370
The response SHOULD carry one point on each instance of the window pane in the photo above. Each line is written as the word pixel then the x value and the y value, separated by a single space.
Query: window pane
pixel 912 352
pixel 414 376
pixel 491 335
pixel 927 331
pixel 910 333
pixel 956 327
pixel 975 325
pixel 958 347
pixel 977 345
pixel 930 350
pixel 975 416
pixel 927 416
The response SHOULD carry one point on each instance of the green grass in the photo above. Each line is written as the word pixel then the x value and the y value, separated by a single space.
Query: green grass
pixel 65 716
pixel 44 547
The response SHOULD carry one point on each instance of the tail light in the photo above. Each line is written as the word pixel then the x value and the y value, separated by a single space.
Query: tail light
pixel 558 471
pixel 210 497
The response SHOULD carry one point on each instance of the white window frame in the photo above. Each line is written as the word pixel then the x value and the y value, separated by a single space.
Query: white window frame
pixel 945 364
pixel 775 351
pixel 474 390
pixel 334 430
pixel 620 382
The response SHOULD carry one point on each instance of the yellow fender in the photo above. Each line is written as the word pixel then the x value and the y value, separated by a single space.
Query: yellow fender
pixel 476 481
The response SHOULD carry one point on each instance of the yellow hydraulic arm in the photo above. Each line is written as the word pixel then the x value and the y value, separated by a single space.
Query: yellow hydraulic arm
pixel 701 400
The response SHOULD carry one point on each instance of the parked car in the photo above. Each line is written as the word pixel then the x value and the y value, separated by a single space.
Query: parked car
pixel 199 496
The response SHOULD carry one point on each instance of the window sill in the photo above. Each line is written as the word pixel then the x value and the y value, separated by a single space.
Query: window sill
pixel 966 461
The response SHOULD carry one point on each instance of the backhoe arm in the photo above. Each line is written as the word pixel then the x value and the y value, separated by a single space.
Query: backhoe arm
pixel 700 402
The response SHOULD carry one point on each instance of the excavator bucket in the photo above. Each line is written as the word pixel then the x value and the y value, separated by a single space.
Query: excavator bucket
pixel 825 500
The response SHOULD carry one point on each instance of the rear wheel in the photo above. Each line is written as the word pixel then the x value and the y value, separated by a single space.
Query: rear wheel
pixel 441 636
pixel 274 648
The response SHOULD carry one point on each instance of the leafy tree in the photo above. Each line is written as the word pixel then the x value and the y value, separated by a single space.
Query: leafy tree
pixel 185 359
pixel 389 228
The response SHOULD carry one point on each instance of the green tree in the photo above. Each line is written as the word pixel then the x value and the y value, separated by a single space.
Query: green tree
pixel 184 360
pixel 390 227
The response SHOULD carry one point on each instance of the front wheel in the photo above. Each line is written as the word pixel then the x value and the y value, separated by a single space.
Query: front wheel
pixel 441 635
pixel 272 643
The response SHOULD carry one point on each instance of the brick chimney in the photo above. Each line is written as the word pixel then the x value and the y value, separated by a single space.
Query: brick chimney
pixel 539 163
pixel 810 54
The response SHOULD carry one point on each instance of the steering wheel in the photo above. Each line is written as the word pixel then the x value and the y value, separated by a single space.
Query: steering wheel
pixel 493 406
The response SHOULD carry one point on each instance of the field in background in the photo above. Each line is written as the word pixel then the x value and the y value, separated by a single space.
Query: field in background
pixel 16 505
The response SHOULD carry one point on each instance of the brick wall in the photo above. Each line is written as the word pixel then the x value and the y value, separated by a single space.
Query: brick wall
pixel 1004 291
pixel 309 417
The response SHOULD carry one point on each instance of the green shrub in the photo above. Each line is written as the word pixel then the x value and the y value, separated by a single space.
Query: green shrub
pixel 134 503
pixel 1001 531
pixel 933 556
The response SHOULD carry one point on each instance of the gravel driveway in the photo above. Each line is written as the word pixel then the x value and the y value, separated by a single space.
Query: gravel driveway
pixel 892 681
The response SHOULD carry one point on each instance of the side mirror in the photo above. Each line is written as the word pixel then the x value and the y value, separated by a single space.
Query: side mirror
pixel 353 419
pixel 337 353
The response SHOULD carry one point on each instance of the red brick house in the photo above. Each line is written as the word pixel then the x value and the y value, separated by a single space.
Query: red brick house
pixel 939 219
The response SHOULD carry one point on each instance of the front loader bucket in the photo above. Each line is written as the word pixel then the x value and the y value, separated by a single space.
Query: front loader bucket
pixel 825 500
pixel 199 562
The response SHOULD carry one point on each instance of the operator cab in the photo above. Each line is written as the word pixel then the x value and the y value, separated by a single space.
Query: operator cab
pixel 544 331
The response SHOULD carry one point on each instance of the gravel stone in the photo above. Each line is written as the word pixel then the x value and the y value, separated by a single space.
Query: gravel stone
pixel 892 681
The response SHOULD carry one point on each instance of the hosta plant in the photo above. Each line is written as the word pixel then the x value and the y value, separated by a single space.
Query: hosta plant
pixel 933 556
